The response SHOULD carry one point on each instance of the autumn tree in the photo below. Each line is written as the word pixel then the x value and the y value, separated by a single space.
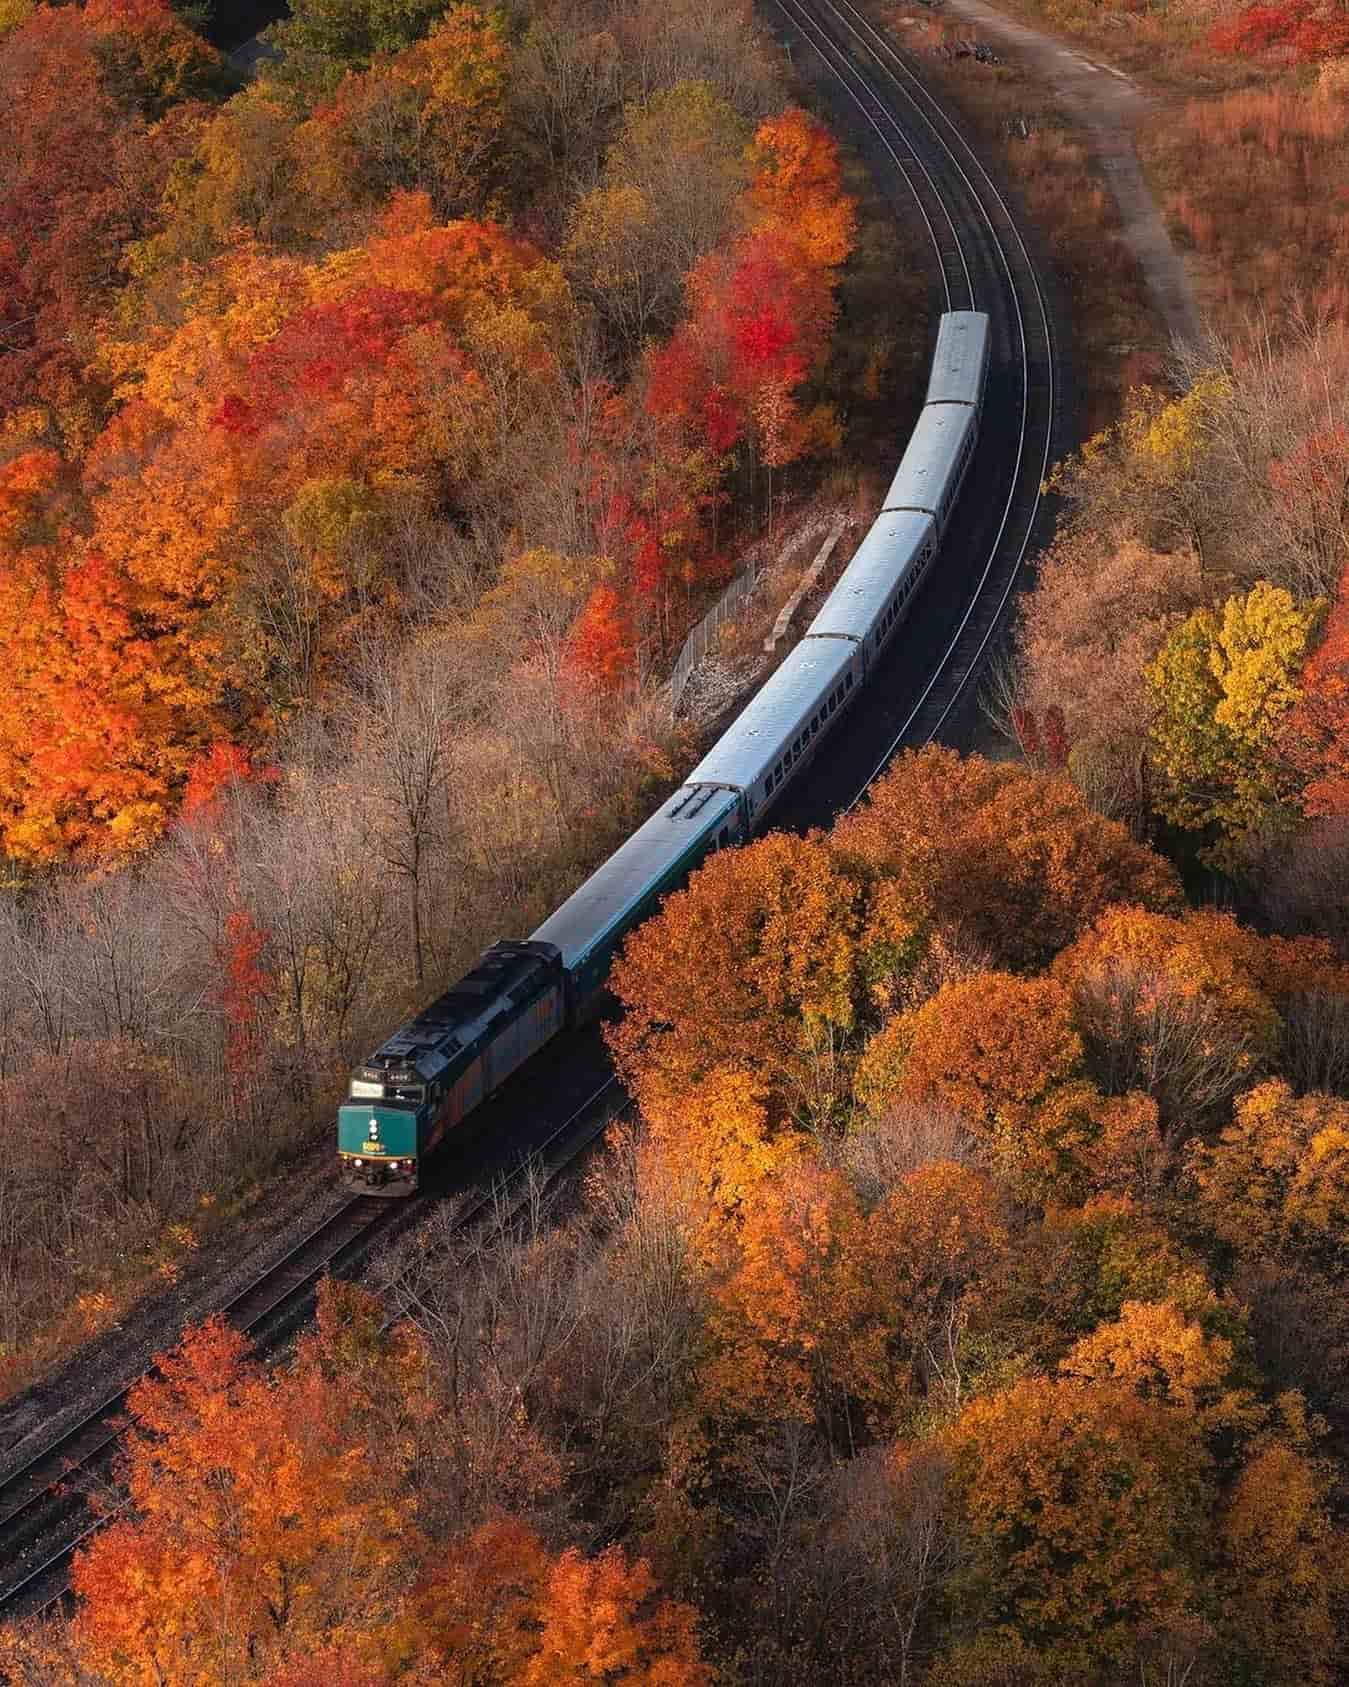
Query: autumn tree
pixel 721 1132
pixel 1221 687
pixel 258 1515
pixel 1077 1268
pixel 1012 858
pixel 935 1241
pixel 1084 1509
pixel 1314 733
pixel 1275 1180
pixel 798 1323
pixel 1167 1356
pixel 666 198
pixel 321 40
pixel 502 1608
pixel 1282 1565
pixel 763 963
pixel 1187 1009
pixel 1149 476
pixel 796 186
pixel 1299 28
pixel 95 109
pixel 408 707
pixel 428 119
pixel 1003 1053
pixel 349 397
pixel 825 1309
pixel 1103 607
pixel 758 326
pixel 244 172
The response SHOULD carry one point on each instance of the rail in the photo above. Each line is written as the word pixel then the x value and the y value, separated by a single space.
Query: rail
pixel 846 39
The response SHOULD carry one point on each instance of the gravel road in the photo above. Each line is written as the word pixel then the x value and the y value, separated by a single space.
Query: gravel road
pixel 1109 105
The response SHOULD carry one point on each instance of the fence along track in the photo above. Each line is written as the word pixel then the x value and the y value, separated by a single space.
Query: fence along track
pixel 703 636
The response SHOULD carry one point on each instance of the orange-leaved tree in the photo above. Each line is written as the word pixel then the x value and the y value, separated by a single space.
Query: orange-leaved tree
pixel 1275 1183
pixel 1083 1507
pixel 798 1321
pixel 1013 857
pixel 796 186
pixel 1282 1564
pixel 261 1525
pixel 1164 1353
pixel 230 513
pixel 500 1607
pixel 764 963
pixel 97 104
pixel 1314 734
pixel 1005 1054
pixel 1187 1009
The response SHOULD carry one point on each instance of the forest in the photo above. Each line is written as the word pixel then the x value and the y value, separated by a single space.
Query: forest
pixel 966 1300
pixel 371 434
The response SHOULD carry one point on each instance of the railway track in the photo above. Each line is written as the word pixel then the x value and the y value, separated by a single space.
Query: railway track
pixel 981 262
pixel 44 1512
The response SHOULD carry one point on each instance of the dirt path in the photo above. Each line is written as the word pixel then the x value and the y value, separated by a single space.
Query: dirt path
pixel 1108 104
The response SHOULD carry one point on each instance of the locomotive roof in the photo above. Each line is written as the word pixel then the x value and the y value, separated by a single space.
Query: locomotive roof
pixel 927 468
pixel 882 560
pixel 506 975
pixel 958 362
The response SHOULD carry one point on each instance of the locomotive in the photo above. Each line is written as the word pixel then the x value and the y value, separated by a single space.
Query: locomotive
pixel 422 1081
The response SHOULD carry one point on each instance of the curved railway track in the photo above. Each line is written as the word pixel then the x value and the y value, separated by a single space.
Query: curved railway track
pixel 981 262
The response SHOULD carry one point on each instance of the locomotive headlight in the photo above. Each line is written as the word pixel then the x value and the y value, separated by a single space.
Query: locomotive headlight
pixel 358 1162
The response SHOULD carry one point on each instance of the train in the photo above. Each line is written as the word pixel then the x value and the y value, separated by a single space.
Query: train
pixel 426 1078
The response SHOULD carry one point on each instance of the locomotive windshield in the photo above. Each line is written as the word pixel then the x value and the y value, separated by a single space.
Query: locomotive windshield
pixel 363 1089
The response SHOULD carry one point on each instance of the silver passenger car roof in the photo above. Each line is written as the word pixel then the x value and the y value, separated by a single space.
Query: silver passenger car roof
pixel 957 363
pixel 882 560
pixel 786 701
pixel 590 914
pixel 928 466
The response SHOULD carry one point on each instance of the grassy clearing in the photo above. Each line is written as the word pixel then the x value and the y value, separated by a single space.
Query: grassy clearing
pixel 1255 184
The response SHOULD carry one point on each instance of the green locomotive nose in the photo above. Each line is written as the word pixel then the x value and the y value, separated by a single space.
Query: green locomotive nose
pixel 371 1131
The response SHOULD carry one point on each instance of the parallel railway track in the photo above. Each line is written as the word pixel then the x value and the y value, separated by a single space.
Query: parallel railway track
pixel 981 262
